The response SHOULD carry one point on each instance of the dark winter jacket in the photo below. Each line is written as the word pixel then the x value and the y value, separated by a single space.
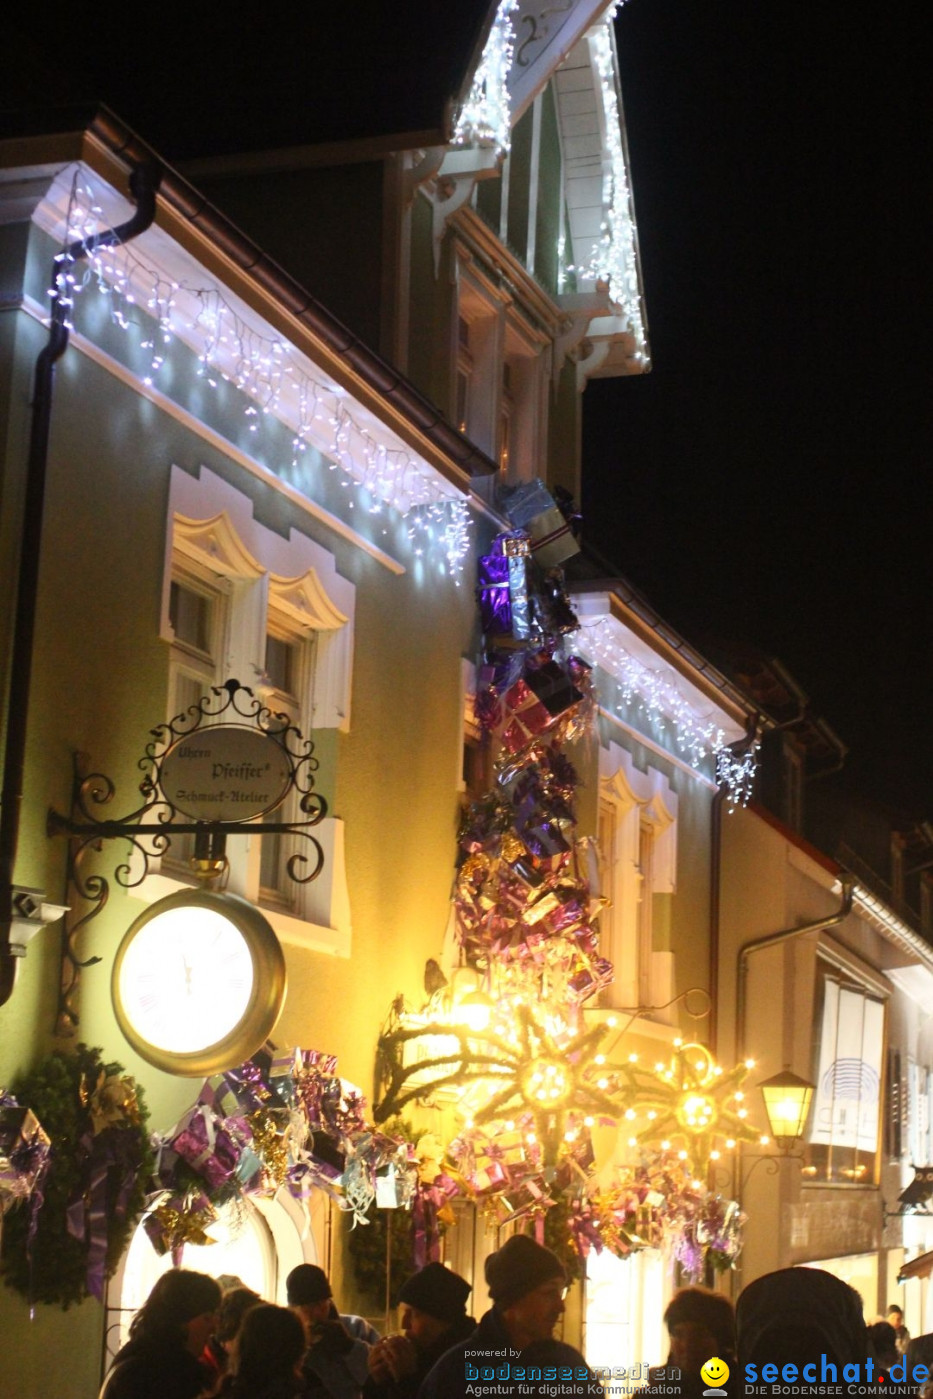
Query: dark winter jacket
pixel 289 1388
pixel 149 1369
pixel 536 1369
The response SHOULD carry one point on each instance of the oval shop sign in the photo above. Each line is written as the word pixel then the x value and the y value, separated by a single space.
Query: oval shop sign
pixel 225 773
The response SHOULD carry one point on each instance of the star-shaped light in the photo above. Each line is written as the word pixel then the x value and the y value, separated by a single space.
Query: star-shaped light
pixel 694 1100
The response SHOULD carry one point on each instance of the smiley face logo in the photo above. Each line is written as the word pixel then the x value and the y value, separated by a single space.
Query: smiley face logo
pixel 714 1373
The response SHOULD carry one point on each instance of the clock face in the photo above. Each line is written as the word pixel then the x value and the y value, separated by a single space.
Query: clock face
pixel 198 982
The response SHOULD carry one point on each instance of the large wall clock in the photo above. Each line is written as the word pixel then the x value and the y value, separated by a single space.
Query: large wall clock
pixel 198 982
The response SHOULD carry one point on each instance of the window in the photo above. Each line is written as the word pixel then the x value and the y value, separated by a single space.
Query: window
pixel 895 1119
pixel 242 601
pixel 506 406
pixel 464 374
pixel 624 1308
pixel 499 391
pixel 197 617
pixel 637 826
pixel 918 1115
pixel 848 1052
pixel 289 666
pixel 645 876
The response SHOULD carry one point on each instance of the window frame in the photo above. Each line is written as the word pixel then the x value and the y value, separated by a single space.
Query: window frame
pixel 819 1168
pixel 264 583
pixel 637 817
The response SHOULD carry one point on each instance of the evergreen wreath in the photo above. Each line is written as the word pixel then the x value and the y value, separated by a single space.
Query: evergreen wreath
pixel 100 1165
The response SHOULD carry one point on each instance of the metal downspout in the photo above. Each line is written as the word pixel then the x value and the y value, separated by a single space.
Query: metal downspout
pixel 769 940
pixel 144 183
pixel 715 888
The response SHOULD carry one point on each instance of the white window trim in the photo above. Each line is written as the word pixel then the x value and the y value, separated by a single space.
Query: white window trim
pixel 212 530
pixel 211 522
pixel 639 799
pixel 498 315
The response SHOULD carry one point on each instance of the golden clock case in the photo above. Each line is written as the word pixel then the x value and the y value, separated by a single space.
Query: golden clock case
pixel 266 990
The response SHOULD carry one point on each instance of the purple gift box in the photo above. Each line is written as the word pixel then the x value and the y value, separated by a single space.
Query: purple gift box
pixel 207 1147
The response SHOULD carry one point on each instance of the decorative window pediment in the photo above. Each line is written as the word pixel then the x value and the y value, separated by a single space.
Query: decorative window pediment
pixel 306 602
pixel 216 545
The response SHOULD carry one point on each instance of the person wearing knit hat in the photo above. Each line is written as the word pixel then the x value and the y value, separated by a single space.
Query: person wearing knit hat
pixel 514 1340
pixel 522 1266
pixel 336 1362
pixel 434 1318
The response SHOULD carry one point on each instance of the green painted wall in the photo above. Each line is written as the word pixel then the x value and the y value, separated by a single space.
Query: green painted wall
pixel 100 683
pixel 520 185
pixel 550 196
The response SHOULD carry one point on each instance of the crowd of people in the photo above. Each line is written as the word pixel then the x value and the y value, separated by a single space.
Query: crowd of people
pixel 197 1337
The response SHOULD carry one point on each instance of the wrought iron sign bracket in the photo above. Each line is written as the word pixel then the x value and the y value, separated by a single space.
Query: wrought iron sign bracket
pixel 906 1214
pixel 229 753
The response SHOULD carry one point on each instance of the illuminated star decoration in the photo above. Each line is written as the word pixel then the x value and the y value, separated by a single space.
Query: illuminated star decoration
pixel 551 1074
pixel 693 1100
pixel 554 1077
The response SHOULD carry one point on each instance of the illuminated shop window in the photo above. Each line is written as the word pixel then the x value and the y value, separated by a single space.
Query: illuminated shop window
pixel 624 1305
pixel 845 1118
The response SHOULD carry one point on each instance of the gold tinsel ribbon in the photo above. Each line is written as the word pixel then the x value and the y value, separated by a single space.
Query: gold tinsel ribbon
pixel 269 1145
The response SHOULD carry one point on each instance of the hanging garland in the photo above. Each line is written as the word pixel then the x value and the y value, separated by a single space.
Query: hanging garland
pixel 99 1167
pixel 382 1235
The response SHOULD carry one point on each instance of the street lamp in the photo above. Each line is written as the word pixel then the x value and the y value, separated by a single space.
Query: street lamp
pixel 787 1102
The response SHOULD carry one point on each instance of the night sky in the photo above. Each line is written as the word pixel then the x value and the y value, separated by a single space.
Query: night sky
pixel 767 483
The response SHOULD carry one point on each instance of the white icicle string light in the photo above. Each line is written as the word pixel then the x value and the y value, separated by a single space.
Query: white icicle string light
pixel 736 773
pixel 486 117
pixel 615 256
pixel 268 371
pixel 656 693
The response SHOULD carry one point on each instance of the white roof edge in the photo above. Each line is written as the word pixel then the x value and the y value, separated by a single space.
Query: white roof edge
pixel 343 428
pixel 606 640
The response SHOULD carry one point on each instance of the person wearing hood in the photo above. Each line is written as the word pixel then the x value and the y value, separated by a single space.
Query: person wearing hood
pixel 434 1319
pixel 514 1339
pixel 797 1317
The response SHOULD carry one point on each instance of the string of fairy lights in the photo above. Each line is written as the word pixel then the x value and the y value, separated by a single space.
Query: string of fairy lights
pixel 277 382
pixel 486 120
pixel 615 256
pixel 655 692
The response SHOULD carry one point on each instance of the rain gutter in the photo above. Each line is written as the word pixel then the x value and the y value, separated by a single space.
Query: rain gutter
pixel 772 940
pixel 144 184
